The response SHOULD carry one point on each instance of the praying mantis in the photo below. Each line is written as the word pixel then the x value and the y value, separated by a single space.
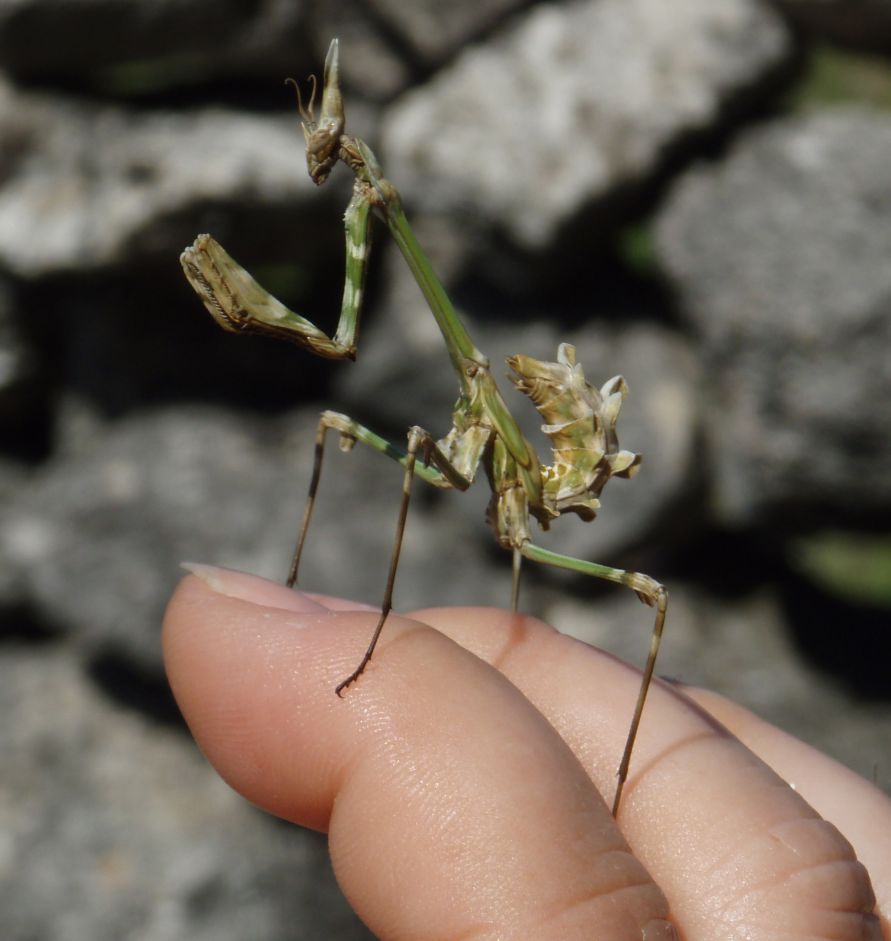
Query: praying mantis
pixel 579 419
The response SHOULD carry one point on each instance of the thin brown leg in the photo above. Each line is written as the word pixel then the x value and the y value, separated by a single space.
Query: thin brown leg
pixel 650 592
pixel 415 437
pixel 661 603
pixel 310 502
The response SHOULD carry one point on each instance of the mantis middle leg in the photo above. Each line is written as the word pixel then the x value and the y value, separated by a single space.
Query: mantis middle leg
pixel 436 469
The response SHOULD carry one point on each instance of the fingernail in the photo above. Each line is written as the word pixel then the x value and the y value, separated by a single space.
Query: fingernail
pixel 344 604
pixel 253 588
pixel 659 930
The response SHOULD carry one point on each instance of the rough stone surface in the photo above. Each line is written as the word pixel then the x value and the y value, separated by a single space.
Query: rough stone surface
pixel 390 42
pixel 791 296
pixel 87 186
pixel 437 31
pixel 576 99
pixel 114 826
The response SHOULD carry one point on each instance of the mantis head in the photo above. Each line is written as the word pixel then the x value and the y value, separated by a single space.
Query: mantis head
pixel 323 136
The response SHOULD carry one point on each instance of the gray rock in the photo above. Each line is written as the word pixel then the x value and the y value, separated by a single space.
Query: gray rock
pixel 572 101
pixel 86 186
pixel 435 30
pixel 115 827
pixel 386 44
pixel 95 537
pixel 780 255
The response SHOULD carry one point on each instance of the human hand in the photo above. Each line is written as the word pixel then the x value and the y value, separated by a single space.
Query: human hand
pixel 460 779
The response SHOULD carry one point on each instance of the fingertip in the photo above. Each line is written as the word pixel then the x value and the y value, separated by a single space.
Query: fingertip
pixel 241 670
pixel 253 588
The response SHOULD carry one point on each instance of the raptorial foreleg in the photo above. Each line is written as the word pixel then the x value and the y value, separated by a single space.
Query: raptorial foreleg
pixel 240 304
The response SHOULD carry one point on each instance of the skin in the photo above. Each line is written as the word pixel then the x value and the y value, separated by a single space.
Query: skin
pixel 460 781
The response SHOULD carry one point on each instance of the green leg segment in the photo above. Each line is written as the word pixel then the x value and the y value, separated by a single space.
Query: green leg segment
pixel 650 592
pixel 240 304
pixel 435 469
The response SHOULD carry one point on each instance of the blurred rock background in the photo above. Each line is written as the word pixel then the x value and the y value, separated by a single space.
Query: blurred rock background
pixel 697 195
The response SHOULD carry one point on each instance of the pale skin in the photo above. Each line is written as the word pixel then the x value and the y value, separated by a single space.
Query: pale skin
pixel 474 810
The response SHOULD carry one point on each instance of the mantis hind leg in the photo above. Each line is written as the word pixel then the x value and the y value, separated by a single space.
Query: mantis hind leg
pixel 651 593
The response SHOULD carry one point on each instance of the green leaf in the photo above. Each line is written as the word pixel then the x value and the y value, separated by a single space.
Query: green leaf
pixel 856 566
